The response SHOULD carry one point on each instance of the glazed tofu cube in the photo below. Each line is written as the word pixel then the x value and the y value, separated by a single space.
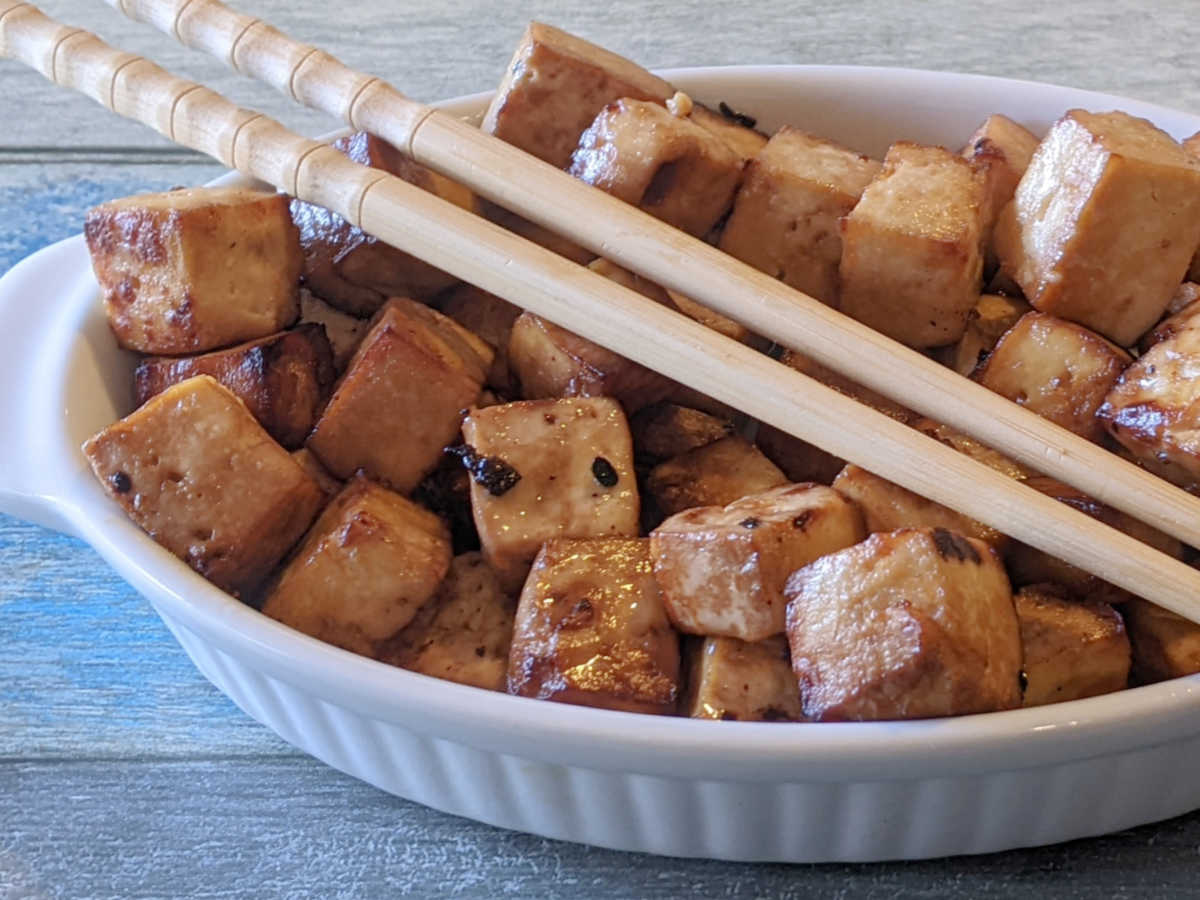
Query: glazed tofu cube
pixel 667 429
pixel 345 332
pixel 1165 645
pixel 732 680
pixel 785 219
pixel 665 164
pixel 992 316
pixel 964 443
pixel 591 629
pixel 733 128
pixel 488 317
pixel 401 399
pixel 282 379
pixel 909 625
pixel 1057 369
pixel 553 88
pixel 192 270
pixel 196 472
pixel 464 633
pixel 1153 409
pixel 713 475
pixel 1000 150
pixel 722 569
pixel 355 271
pixel 329 485
pixel 368 564
pixel 911 263
pixel 886 507
pixel 1103 224
pixel 1181 314
pixel 1072 648
pixel 536 233
pixel 544 469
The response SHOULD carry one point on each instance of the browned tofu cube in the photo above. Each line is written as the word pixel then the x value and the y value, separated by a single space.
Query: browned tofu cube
pixel 489 317
pixel 964 443
pixel 1103 224
pixel 909 625
pixel 329 485
pixel 553 88
pixel 463 634
pixel 1001 150
pixel 345 332
pixel 785 219
pixel 192 270
pixel 1153 409
pixel 1182 313
pixel 591 630
pixel 722 569
pixel 735 129
pixel 713 475
pixel 401 399
pixel 1192 146
pixel 1072 648
pixel 368 564
pixel 993 315
pixel 282 379
pixel 1165 645
pixel 887 506
pixel 544 469
pixel 665 164
pixel 197 473
pixel 732 680
pixel 536 233
pixel 911 262
pixel 355 271
pixel 667 429
pixel 1057 369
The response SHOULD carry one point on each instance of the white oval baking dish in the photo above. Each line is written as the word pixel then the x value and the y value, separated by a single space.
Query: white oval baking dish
pixel 727 790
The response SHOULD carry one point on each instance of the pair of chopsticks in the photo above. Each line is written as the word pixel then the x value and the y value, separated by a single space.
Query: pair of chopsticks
pixel 486 255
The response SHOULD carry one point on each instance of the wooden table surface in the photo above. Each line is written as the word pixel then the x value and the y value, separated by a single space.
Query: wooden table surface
pixel 123 773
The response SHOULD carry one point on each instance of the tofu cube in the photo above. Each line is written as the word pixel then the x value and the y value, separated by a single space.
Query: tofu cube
pixel 1165 645
pixel 591 629
pixel 536 233
pixel 355 271
pixel 909 625
pixel 664 164
pixel 964 443
pixel 992 316
pixel 464 633
pixel 401 399
pixel 329 485
pixel 667 429
pixel 194 470
pixel 1057 369
pixel 1000 150
pixel 488 317
pixel 1103 224
pixel 1072 648
pixel 722 569
pixel 192 270
pixel 786 217
pixel 545 469
pixel 344 331
pixel 735 129
pixel 283 378
pixel 555 86
pixel 733 680
pixel 372 559
pixel 713 475
pixel 1181 313
pixel 911 263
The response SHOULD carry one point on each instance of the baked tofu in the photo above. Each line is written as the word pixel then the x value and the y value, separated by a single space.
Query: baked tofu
pixel 1182 313
pixel 283 378
pixel 191 270
pixel 911 263
pixel 344 331
pixel 329 485
pixel 1057 369
pixel 544 469
pixel 993 315
pixel 536 233
pixel 964 443
pixel 1154 408
pixel 713 475
pixel 591 629
pixel 196 472
pixel 401 399
pixel 355 271
pixel 735 129
pixel 488 317
pixel 909 625
pixel 555 86
pixel 667 429
pixel 722 569
pixel 1103 224
pixel 1072 648
pixel 1165 645
pixel 664 164
pixel 785 219
pixel 368 564
pixel 464 633
pixel 1000 150
pixel 732 680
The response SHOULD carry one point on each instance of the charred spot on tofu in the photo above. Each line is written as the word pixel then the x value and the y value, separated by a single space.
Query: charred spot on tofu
pixel 713 475
pixel 591 630
pixel 733 680
pixel 904 625
pixel 192 270
pixel 197 473
pixel 489 472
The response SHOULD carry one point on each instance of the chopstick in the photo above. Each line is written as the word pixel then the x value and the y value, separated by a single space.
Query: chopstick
pixel 485 254
pixel 637 241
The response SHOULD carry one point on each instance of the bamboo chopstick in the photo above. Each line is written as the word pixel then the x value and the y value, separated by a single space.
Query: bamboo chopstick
pixel 578 299
pixel 624 234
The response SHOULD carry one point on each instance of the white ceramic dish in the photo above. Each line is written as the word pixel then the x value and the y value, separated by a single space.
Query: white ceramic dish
pixel 728 790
